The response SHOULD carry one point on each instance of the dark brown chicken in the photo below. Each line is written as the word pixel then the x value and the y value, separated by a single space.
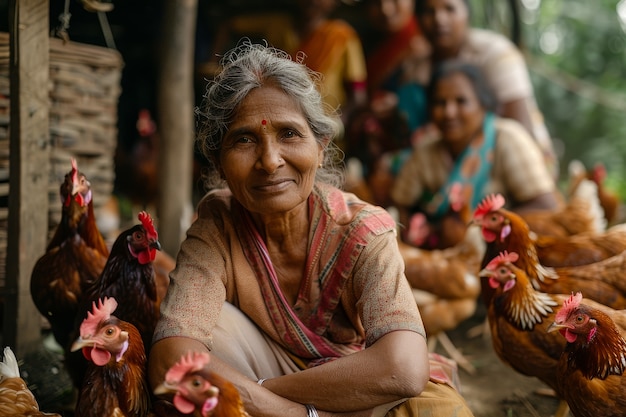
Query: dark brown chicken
pixel 129 277
pixel 591 370
pixel 198 392
pixel 506 231
pixel 16 400
pixel 115 382
pixel 74 258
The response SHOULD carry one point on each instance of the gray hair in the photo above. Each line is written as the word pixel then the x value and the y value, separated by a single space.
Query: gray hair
pixel 249 66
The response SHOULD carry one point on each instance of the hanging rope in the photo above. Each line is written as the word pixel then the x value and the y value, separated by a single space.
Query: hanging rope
pixel 64 25
pixel 106 30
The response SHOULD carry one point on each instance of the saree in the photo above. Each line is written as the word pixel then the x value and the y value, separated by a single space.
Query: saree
pixel 303 333
pixel 469 175
pixel 384 62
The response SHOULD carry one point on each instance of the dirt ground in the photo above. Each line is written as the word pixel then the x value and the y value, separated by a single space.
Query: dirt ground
pixel 494 390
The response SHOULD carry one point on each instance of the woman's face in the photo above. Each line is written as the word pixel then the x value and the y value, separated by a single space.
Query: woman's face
pixel 456 110
pixel 445 24
pixel 390 16
pixel 269 155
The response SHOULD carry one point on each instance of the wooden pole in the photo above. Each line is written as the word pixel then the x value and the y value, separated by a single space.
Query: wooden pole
pixel 176 121
pixel 29 168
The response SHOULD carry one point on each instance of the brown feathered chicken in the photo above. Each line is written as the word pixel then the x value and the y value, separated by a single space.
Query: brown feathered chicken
pixel 506 231
pixel 591 370
pixel 129 277
pixel 16 400
pixel 581 213
pixel 137 169
pixel 198 392
pixel 74 258
pixel 519 318
pixel 609 199
pixel 115 381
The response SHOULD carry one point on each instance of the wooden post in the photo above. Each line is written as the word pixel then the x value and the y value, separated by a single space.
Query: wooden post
pixel 29 168
pixel 176 121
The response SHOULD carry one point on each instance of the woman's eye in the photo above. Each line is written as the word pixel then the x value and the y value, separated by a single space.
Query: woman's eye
pixel 288 134
pixel 244 139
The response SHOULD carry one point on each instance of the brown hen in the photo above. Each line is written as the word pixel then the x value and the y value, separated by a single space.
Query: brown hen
pixel 519 318
pixel 504 230
pixel 115 381
pixel 199 392
pixel 74 258
pixel 581 213
pixel 16 399
pixel 591 370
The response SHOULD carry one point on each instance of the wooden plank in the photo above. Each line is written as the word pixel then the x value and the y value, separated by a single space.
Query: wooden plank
pixel 175 106
pixel 29 168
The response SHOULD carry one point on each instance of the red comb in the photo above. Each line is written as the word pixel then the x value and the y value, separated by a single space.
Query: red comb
pixel 568 305
pixel 490 203
pixel 148 225
pixel 191 362
pixel 504 257
pixel 99 313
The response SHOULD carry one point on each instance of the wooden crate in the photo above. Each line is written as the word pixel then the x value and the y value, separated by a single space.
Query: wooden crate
pixel 84 93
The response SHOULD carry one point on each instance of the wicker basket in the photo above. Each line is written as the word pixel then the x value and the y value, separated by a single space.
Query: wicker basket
pixel 84 93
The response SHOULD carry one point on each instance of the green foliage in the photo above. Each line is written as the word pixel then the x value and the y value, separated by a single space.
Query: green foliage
pixel 576 51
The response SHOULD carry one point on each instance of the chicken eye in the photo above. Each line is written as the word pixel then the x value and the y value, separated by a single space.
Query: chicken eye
pixel 110 331
pixel 503 271
pixel 196 382
pixel 580 319
pixel 138 235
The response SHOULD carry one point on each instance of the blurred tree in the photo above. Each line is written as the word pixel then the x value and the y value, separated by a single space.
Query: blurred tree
pixel 576 51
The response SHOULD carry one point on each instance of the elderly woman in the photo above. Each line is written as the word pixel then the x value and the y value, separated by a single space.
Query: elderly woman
pixel 445 23
pixel 474 153
pixel 295 287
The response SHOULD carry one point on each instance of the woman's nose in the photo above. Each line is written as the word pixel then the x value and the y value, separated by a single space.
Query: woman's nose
pixel 450 109
pixel 269 158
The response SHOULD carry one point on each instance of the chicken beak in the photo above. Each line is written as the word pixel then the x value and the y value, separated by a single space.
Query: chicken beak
pixel 485 273
pixel 81 343
pixel 165 388
pixel 555 326
pixel 155 244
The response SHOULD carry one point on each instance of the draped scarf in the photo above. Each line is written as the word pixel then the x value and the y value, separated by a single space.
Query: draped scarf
pixel 469 176
pixel 303 334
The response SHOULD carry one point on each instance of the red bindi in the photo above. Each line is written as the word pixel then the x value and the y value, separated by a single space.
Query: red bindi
pixel 263 122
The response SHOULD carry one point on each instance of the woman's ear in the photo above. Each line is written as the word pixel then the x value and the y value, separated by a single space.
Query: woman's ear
pixel 323 145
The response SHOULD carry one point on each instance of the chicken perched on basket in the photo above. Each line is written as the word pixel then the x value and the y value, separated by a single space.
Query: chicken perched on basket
pixel 591 370
pixel 74 258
